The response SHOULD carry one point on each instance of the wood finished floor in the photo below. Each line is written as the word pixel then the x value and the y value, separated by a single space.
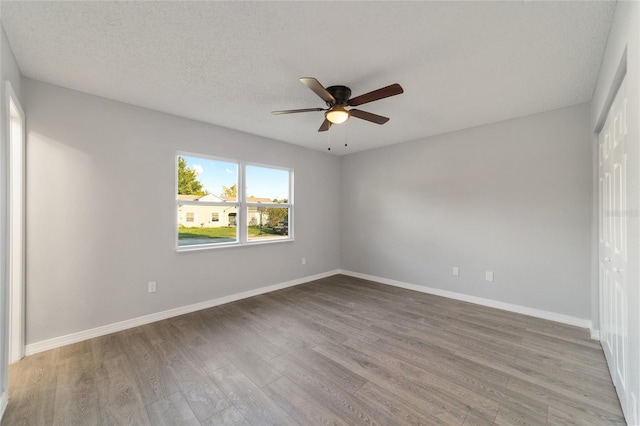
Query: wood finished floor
pixel 335 351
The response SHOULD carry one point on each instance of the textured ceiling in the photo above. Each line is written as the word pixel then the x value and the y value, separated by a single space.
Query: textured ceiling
pixel 461 64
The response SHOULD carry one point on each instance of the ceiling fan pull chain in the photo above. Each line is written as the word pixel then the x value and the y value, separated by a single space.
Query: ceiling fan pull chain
pixel 329 149
pixel 346 133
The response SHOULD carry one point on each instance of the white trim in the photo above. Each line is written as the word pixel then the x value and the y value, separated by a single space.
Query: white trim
pixel 552 316
pixel 4 400
pixel 56 342
pixel 16 226
pixel 68 339
pixel 200 247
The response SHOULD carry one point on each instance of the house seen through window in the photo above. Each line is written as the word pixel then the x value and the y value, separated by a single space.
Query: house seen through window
pixel 227 202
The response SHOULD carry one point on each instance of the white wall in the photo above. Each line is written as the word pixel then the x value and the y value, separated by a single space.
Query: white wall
pixel 623 46
pixel 95 165
pixel 8 71
pixel 512 197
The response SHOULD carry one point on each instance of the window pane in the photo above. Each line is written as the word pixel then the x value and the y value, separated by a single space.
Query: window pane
pixel 203 179
pixel 266 185
pixel 267 223
pixel 198 224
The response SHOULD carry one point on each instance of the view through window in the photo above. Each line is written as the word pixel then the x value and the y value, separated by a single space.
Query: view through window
pixel 226 202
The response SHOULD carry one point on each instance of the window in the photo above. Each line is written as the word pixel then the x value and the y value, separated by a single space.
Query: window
pixel 267 203
pixel 226 202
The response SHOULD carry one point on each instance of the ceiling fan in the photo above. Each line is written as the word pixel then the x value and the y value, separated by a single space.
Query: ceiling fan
pixel 338 98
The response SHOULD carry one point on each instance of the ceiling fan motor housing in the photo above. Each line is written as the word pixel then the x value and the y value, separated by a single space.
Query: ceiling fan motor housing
pixel 340 93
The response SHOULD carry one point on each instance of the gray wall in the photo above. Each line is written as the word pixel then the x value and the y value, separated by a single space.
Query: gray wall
pixel 513 197
pixel 101 213
pixel 8 71
pixel 625 36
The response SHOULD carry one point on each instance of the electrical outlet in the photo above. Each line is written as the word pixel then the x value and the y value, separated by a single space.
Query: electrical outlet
pixel 456 271
pixel 488 275
pixel 304 260
pixel 152 286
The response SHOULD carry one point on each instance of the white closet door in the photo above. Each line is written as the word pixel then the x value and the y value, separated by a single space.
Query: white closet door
pixel 613 242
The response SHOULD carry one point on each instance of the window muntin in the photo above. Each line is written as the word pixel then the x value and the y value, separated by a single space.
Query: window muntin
pixel 215 209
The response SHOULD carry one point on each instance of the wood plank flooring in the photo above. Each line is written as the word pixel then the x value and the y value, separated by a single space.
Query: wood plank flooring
pixel 339 350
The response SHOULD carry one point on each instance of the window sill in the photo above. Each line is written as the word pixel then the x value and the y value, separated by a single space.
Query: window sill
pixel 201 247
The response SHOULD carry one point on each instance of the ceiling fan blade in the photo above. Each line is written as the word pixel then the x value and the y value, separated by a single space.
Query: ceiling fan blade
pixel 293 111
pixel 318 89
pixel 325 126
pixel 374 118
pixel 385 92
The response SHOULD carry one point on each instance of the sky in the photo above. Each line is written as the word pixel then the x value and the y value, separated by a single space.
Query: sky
pixel 261 182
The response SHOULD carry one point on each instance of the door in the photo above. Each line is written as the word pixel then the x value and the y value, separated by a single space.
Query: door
pixel 612 168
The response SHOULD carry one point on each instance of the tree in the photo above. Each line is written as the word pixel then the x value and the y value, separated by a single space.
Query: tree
pixel 230 191
pixel 277 214
pixel 188 183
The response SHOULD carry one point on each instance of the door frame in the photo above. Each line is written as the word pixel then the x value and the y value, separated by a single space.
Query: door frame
pixel 16 151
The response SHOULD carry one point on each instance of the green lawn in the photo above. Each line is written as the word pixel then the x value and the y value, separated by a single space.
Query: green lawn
pixel 220 232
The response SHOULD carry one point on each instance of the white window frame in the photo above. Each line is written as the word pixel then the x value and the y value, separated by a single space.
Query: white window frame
pixel 288 205
pixel 241 205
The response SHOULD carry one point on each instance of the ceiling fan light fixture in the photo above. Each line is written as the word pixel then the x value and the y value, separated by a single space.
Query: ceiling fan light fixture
pixel 339 97
pixel 337 115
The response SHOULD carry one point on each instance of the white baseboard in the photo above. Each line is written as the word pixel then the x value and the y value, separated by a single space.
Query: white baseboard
pixel 68 339
pixel 552 316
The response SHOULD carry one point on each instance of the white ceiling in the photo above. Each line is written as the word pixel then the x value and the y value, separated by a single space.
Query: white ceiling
pixel 461 64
